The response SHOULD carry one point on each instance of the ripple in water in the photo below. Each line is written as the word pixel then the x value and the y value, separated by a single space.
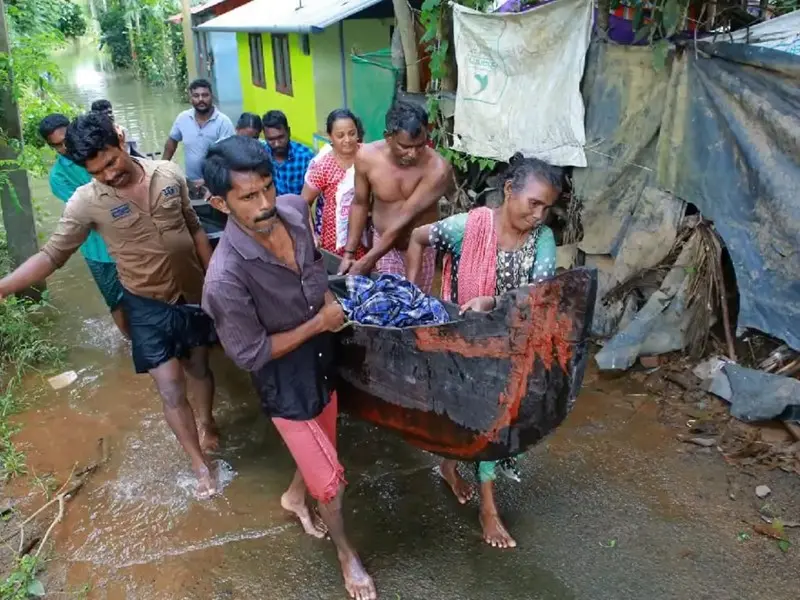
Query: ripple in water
pixel 149 509
pixel 102 333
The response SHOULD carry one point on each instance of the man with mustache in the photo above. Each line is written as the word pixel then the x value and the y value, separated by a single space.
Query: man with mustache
pixel 401 179
pixel 142 212
pixel 198 128
pixel 267 291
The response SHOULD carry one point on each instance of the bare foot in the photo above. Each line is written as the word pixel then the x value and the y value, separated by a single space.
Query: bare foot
pixel 494 532
pixel 209 436
pixel 309 519
pixel 356 580
pixel 463 490
pixel 206 482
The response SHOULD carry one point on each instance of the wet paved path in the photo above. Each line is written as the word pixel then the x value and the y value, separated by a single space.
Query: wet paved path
pixel 611 473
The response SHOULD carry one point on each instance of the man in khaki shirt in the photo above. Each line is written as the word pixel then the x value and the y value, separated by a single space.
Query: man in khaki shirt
pixel 141 210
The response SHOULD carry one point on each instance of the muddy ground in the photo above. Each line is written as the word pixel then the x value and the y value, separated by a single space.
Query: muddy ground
pixel 612 506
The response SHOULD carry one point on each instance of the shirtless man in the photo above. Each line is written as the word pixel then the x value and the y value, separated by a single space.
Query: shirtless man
pixel 405 179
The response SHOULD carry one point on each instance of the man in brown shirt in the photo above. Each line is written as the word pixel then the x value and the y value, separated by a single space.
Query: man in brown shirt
pixel 266 290
pixel 141 210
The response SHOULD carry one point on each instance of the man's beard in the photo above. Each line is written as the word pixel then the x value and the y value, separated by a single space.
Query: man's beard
pixel 205 110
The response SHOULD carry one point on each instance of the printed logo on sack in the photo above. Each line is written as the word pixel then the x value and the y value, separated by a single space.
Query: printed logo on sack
pixel 482 67
pixel 486 76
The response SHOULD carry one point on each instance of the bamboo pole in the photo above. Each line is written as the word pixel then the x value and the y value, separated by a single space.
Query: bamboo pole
pixel 405 26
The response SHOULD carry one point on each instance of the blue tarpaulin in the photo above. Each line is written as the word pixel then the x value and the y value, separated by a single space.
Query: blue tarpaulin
pixel 718 127
pixel 733 146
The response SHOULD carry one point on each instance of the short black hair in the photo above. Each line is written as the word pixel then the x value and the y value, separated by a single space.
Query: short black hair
pixel 520 169
pixel 249 121
pixel 52 122
pixel 90 134
pixel 101 105
pixel 345 113
pixel 275 119
pixel 406 116
pixel 200 83
pixel 237 153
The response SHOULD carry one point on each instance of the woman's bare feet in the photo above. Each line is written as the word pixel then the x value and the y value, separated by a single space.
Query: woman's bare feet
pixel 357 581
pixel 206 482
pixel 494 532
pixel 463 490
pixel 209 436
pixel 309 519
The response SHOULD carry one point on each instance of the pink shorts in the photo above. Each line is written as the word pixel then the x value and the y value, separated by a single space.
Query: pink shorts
pixel 312 444
pixel 394 262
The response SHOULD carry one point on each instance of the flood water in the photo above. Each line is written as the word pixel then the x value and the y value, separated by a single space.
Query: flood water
pixel 135 532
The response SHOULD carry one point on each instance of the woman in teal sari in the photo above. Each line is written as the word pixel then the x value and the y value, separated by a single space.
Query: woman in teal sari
pixel 489 252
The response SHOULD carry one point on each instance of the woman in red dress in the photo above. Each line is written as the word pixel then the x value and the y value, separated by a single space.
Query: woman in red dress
pixel 330 180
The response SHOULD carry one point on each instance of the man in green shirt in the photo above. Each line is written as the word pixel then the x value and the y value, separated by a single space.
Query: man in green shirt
pixel 65 178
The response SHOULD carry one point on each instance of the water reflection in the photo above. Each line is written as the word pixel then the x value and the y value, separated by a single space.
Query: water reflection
pixel 146 112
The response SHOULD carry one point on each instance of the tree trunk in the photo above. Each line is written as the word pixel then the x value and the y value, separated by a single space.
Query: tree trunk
pixel 450 78
pixel 405 25
pixel 603 17
pixel 763 8
pixel 15 197
pixel 188 40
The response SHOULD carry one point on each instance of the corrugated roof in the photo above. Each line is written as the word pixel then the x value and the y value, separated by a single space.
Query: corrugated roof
pixel 196 10
pixel 287 16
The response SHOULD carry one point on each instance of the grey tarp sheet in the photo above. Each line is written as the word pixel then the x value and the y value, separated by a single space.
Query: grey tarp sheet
pixel 756 395
pixel 730 143
pixel 719 128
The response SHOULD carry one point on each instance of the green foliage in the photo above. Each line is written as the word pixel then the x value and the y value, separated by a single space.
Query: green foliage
pixel 138 35
pixel 72 22
pixel 24 346
pixel 35 34
pixel 432 18
pixel 22 583
pixel 114 36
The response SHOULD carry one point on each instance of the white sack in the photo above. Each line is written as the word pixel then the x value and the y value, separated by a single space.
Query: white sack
pixel 519 79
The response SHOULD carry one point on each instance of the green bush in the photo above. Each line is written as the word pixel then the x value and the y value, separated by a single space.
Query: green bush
pixel 114 36
pixel 72 23
pixel 140 37
pixel 24 337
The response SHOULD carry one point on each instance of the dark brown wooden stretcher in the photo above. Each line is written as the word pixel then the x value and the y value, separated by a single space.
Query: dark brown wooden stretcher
pixel 483 387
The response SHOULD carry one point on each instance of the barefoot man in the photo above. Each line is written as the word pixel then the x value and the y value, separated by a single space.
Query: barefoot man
pixel 141 210
pixel 267 291
pixel 403 179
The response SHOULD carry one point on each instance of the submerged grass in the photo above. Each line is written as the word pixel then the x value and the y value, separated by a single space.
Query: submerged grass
pixel 25 346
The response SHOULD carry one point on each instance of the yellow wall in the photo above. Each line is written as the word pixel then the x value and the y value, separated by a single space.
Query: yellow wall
pixel 317 83
pixel 300 106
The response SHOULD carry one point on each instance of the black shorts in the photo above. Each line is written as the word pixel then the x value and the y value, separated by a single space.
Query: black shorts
pixel 160 331
pixel 297 386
